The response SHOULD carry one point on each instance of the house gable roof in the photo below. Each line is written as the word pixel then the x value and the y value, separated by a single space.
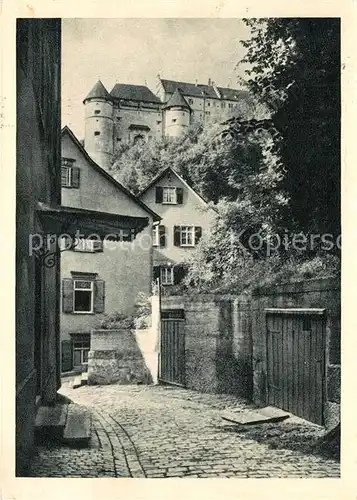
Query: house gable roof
pixel 98 91
pixel 161 174
pixel 131 92
pixel 118 185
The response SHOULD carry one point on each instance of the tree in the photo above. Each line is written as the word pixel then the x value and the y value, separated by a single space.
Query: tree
pixel 294 69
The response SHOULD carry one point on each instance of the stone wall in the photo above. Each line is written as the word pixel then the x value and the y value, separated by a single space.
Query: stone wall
pixel 320 293
pixel 115 357
pixel 217 343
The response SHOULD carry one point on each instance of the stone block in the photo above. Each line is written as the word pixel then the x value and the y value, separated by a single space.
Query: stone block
pixel 332 415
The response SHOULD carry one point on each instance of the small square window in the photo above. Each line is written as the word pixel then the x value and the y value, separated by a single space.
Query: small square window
pixel 187 236
pixel 169 195
pixel 167 275
pixel 97 111
pixel 97 132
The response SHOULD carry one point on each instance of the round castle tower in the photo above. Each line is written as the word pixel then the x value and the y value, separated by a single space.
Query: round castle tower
pixel 99 125
pixel 177 115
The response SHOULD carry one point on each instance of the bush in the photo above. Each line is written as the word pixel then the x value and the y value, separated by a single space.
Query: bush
pixel 116 321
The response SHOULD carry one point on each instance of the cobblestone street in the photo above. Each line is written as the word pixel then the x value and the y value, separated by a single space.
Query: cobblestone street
pixel 161 431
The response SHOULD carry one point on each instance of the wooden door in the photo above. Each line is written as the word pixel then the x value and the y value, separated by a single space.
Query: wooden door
pixel 295 364
pixel 172 351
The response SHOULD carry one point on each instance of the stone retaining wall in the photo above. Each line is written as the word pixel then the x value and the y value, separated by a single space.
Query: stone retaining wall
pixel 115 357
pixel 217 342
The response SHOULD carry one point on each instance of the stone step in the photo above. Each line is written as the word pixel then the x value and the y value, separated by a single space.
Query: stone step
pixel 269 414
pixel 50 422
pixel 77 431
pixel 84 378
pixel 77 382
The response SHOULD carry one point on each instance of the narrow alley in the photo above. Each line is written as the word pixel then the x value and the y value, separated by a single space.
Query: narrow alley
pixel 163 432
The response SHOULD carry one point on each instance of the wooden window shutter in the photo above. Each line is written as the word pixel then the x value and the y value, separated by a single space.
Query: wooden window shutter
pixel 75 177
pixel 177 236
pixel 156 272
pixel 99 296
pixel 179 196
pixel 67 295
pixel 158 194
pixel 198 234
pixel 162 236
pixel 64 177
pixel 67 355
pixel 179 274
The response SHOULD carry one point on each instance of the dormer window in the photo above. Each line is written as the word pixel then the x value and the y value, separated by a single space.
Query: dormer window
pixel 69 174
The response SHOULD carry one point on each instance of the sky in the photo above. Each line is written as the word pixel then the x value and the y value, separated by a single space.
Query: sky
pixel 137 50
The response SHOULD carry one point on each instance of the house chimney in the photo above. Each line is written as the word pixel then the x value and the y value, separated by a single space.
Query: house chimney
pixel 209 81
pixel 196 82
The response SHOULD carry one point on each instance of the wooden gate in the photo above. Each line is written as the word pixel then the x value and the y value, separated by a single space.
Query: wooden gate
pixel 172 351
pixel 295 344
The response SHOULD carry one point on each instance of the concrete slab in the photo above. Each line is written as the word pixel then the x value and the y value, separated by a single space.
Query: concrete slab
pixel 77 431
pixel 269 414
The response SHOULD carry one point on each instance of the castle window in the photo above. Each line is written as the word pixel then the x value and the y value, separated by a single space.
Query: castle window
pixel 97 132
pixel 173 120
pixel 207 112
pixel 97 111
pixel 223 104
pixel 208 104
pixel 190 101
pixel 118 118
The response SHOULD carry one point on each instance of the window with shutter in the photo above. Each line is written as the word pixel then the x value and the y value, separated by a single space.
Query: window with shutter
pixel 187 236
pixel 169 195
pixel 70 177
pixel 83 296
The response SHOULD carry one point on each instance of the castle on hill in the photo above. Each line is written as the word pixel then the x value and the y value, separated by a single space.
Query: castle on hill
pixel 132 113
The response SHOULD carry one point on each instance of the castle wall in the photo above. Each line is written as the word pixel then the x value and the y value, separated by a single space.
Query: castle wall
pixel 176 121
pixel 126 116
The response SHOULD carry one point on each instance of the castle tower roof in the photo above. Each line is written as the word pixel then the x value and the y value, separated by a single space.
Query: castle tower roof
pixel 98 91
pixel 177 100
